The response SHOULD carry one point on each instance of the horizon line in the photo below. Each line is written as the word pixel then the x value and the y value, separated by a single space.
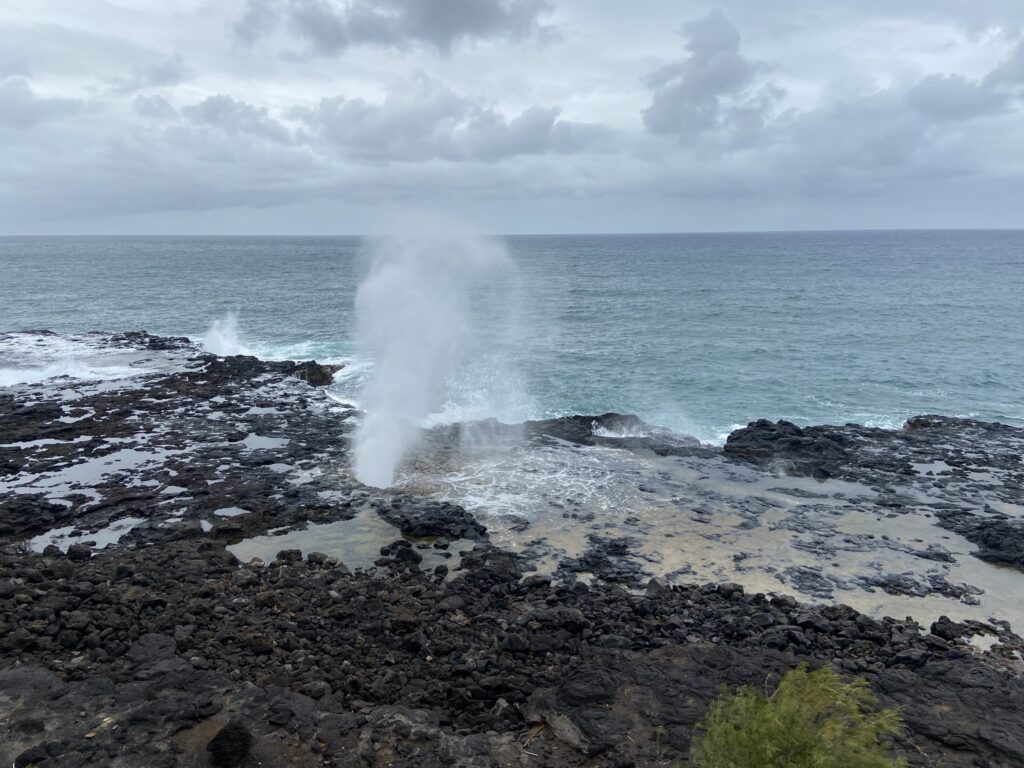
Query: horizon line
pixel 838 230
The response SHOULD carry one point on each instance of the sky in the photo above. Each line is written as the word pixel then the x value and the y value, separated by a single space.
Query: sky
pixel 514 116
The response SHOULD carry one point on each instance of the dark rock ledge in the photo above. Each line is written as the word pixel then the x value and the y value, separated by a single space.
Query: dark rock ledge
pixel 140 657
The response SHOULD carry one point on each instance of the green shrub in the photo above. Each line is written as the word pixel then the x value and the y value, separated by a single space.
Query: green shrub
pixel 813 720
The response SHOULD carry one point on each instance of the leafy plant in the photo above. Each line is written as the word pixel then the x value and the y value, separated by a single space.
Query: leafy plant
pixel 813 720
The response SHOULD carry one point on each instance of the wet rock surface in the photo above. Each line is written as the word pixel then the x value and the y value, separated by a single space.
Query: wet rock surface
pixel 315 374
pixel 938 459
pixel 131 636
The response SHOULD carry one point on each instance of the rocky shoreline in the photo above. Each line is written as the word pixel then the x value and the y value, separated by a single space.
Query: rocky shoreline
pixel 164 649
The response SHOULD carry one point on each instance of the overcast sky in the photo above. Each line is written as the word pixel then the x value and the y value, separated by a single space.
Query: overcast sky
pixel 327 116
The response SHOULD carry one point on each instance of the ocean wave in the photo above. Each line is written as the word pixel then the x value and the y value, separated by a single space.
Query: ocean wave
pixel 71 369
pixel 222 337
pixel 34 357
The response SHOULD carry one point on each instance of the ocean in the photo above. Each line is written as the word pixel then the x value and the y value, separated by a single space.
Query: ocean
pixel 699 333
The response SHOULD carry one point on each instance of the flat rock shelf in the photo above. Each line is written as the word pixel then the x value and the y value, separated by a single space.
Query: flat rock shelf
pixel 148 619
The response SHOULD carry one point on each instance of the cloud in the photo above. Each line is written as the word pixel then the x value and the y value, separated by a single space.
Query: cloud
pixel 12 65
pixel 166 72
pixel 423 119
pixel 154 106
pixel 954 97
pixel 713 89
pixel 237 117
pixel 844 115
pixel 943 126
pixel 1009 73
pixel 21 108
pixel 259 18
pixel 863 138
pixel 537 131
pixel 957 97
pixel 331 27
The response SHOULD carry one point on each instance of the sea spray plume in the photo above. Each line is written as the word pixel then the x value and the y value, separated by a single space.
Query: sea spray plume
pixel 412 317
pixel 221 338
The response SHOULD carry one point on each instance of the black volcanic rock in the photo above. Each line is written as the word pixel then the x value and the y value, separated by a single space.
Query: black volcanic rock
pixel 486 653
pixel 315 374
pixel 812 452
pixel 423 518
pixel 79 552
pixel 613 430
pixel 231 745
pixel 999 538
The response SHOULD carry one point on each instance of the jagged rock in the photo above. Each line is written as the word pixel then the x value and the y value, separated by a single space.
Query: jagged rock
pixel 948 629
pixel 79 552
pixel 316 374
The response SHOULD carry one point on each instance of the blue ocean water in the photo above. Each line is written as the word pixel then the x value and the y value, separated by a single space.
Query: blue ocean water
pixel 700 333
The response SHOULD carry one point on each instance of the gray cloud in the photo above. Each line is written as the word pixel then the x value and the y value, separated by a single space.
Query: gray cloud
pixel 954 97
pixel 929 131
pixel 713 89
pixel 166 72
pixel 330 27
pixel 853 140
pixel 11 64
pixel 21 108
pixel 153 106
pixel 852 113
pixel 536 131
pixel 425 120
pixel 1010 73
pixel 258 18
pixel 237 117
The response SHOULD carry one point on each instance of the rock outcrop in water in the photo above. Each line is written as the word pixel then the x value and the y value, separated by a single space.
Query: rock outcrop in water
pixel 315 374
pixel 162 649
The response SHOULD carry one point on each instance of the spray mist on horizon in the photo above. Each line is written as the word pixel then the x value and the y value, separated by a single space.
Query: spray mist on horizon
pixel 413 318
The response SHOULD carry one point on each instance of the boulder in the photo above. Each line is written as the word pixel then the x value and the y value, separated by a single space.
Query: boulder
pixel 315 374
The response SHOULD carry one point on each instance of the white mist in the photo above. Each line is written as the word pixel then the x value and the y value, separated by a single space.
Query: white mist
pixel 413 318
pixel 222 338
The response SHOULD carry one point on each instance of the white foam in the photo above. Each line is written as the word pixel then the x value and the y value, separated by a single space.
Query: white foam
pixel 27 358
pixel 222 337
pixel 72 369
pixel 622 433
pixel 69 363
